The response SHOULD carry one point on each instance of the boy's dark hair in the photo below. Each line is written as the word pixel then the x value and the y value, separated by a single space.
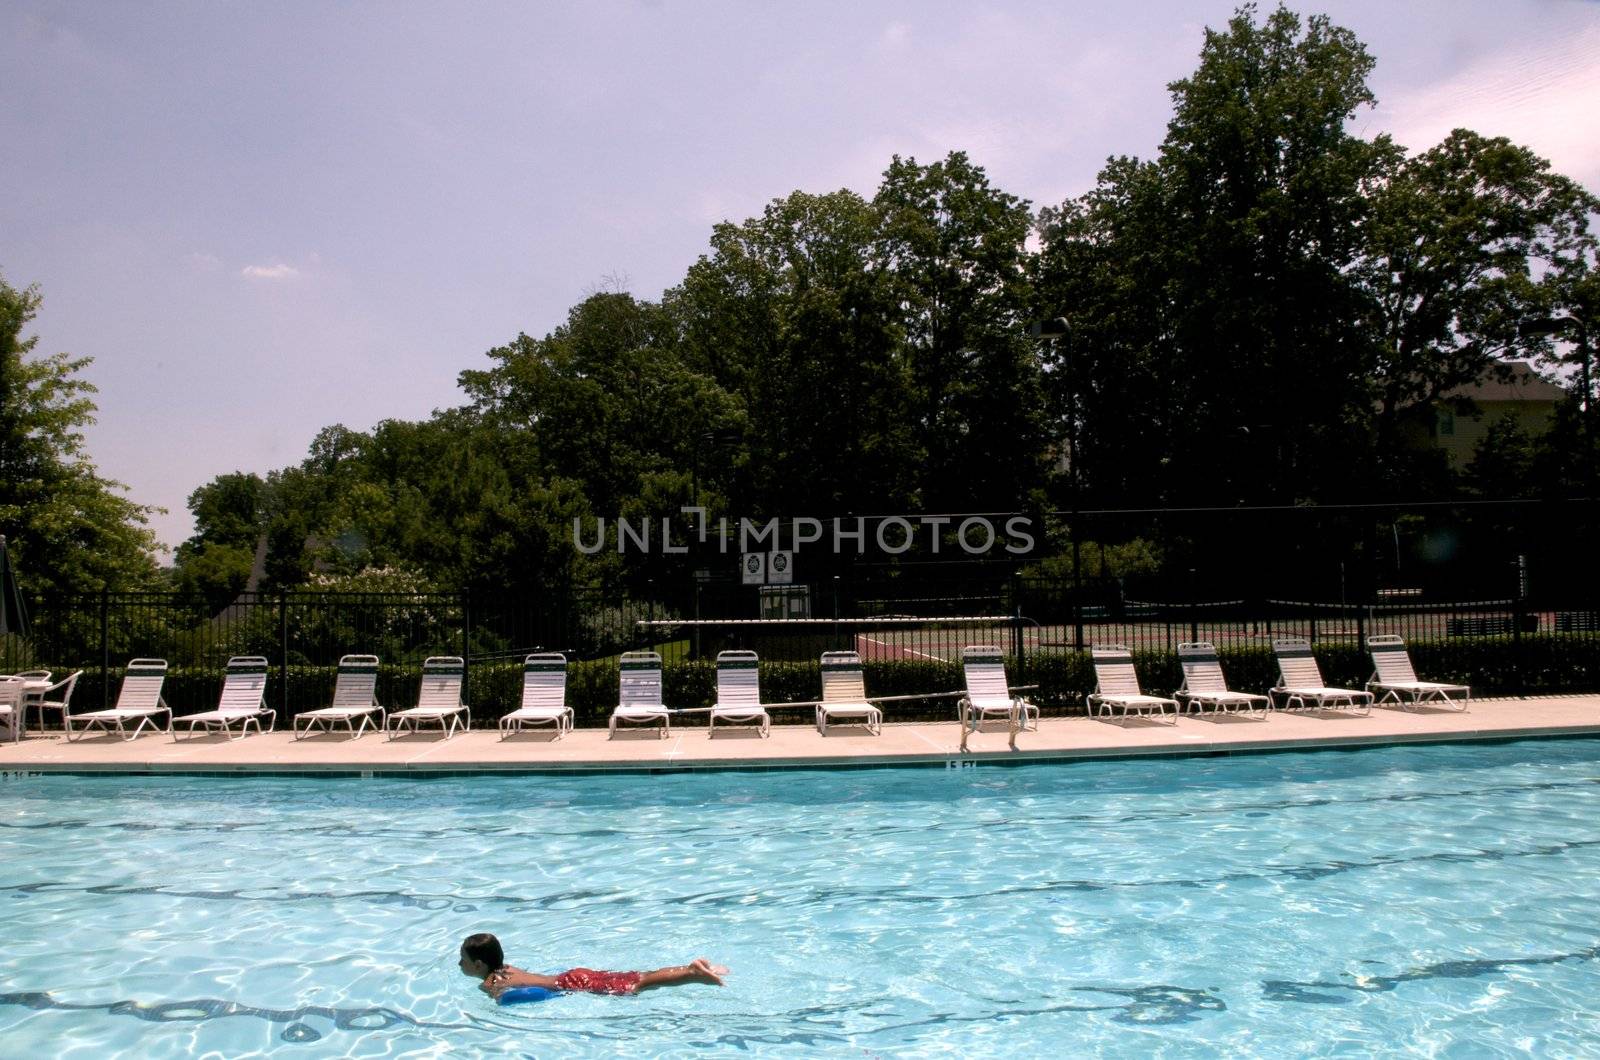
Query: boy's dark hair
pixel 486 948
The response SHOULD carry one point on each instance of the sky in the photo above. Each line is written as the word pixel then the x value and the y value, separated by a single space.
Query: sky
pixel 263 219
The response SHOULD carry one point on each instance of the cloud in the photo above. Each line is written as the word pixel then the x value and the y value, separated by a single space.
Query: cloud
pixel 279 271
pixel 202 261
pixel 1542 96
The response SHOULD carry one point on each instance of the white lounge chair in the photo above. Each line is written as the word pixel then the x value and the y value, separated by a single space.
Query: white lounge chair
pixel 1117 685
pixel 1300 681
pixel 1395 679
pixel 639 699
pixel 438 700
pixel 739 692
pixel 12 692
pixel 139 700
pixel 844 694
pixel 1205 687
pixel 544 696
pixel 242 702
pixel 988 692
pixel 354 696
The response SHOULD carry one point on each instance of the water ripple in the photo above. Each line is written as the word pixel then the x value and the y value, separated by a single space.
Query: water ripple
pixel 206 1008
pixel 824 897
pixel 1313 992
pixel 857 830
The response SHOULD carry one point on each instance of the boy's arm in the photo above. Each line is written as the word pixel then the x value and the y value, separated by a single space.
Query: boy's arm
pixel 507 978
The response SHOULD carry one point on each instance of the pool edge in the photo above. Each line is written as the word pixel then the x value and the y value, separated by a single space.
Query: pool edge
pixel 931 760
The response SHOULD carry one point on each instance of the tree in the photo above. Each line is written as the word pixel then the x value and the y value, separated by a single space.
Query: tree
pixel 1503 461
pixel 1105 265
pixel 1266 187
pixel 605 399
pixel 216 561
pixel 227 510
pixel 601 417
pixel 1567 456
pixel 1250 314
pixel 70 530
pixel 790 316
pixel 1569 339
pixel 1207 290
pixel 954 249
pixel 1460 247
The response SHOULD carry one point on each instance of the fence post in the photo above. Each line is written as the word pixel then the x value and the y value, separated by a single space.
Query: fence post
pixel 1016 644
pixel 1194 605
pixel 838 641
pixel 1518 591
pixel 105 648
pixel 283 655
pixel 466 645
pixel 1077 577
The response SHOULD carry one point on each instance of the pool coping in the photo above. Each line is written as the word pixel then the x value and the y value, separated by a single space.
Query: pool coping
pixel 797 747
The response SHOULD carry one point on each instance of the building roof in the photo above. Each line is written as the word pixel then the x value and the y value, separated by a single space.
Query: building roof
pixel 1508 381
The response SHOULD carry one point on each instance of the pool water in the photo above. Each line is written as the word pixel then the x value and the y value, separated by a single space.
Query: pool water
pixel 1436 900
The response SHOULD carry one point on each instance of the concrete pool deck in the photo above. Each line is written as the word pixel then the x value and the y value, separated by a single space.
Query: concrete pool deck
pixel 798 746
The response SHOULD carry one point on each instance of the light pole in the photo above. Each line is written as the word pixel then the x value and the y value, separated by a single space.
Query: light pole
pixel 1057 330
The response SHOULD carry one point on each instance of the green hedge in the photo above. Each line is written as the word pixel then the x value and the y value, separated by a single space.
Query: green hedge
pixel 1537 664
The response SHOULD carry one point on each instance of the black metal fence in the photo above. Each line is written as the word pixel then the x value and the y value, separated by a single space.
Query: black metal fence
pixel 1515 644
pixel 1518 585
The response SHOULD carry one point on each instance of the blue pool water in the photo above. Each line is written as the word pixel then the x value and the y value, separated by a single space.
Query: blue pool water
pixel 1441 901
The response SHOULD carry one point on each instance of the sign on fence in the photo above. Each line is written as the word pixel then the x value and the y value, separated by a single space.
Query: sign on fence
pixel 780 567
pixel 753 568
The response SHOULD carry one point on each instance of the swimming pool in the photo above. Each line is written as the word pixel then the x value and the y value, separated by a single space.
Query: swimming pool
pixel 1433 899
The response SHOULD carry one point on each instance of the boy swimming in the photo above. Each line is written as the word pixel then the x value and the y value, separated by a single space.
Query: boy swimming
pixel 482 958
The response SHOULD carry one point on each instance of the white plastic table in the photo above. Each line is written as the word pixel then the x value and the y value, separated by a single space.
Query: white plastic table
pixel 32 688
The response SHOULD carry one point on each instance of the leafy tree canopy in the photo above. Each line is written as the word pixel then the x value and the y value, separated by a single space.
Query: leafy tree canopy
pixel 1254 315
pixel 69 529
